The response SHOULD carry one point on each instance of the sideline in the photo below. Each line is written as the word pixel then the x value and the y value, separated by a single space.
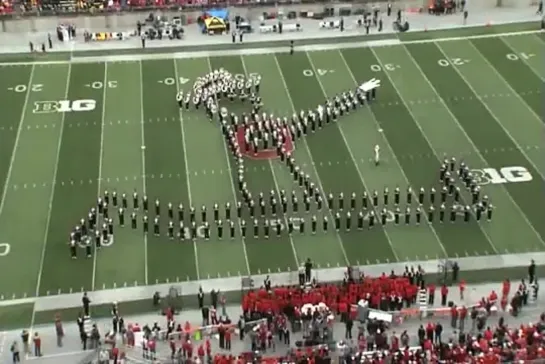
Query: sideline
pixel 64 301
pixel 388 42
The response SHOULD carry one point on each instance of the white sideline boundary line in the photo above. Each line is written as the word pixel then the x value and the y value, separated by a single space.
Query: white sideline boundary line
pixel 257 51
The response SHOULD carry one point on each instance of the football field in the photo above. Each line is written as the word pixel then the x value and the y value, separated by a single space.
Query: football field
pixel 71 130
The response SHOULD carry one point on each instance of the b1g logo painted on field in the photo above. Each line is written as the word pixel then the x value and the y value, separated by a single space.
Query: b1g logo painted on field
pixel 494 176
pixel 45 107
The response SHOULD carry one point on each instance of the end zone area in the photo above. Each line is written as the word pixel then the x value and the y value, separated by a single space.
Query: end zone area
pixel 73 130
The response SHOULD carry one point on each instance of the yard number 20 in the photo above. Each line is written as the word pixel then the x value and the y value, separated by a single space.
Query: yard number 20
pixel 453 61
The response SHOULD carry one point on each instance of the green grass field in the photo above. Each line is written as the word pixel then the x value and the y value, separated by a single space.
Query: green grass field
pixel 479 100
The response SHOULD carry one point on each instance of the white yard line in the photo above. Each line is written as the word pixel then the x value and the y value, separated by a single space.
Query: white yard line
pixel 17 137
pixel 186 165
pixel 517 95
pixel 146 269
pixel 51 197
pixel 385 140
pixel 295 255
pixel 318 180
pixel 520 57
pixel 420 128
pixel 473 144
pixel 99 184
pixel 354 161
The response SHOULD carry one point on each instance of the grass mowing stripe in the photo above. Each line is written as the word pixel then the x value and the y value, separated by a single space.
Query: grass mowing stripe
pixel 75 188
pixel 410 144
pixel 333 162
pixel 362 136
pixel 518 75
pixel 184 149
pixel 487 134
pixel 167 260
pixel 448 137
pixel 210 177
pixel 264 254
pixel 317 247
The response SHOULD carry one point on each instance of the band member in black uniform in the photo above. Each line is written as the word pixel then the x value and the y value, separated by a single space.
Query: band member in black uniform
pixel 243 228
pixel 284 202
pixel 364 200
pixel 105 236
pixel 181 230
pixel 375 198
pixel 444 192
pixel 319 202
pixel 457 194
pixel 353 201
pixel 180 212
pixel 442 212
pixel 121 216
pixel 216 212
pixel 418 215
pixel 262 208
pixel 256 228
pixel 385 196
pixel 409 195
pixel 220 229
pixel 467 213
pixel 325 224
pixel 307 204
pixel 361 217
pixel 170 211
pixel 348 221
pixel 337 221
pixel 453 213
pixel 478 211
pixel 407 215
pixel 295 204
pixel 157 207
pixel 341 201
pixel 239 209
pixel 302 226
pixel 203 213
pixel 228 211
pixel 278 227
pixel 452 187
pixel 489 210
pixel 192 213
pixel 266 228
pixel 105 213
pixel 452 164
pixel 384 216
pixel 111 226
pixel 421 193
pixel 171 230
pixel 432 195
pixel 88 248
pixel 206 230
pixel 124 201
pixel 194 230
pixel 397 214
pixel 290 226
pixel 98 239
pixel 330 201
pixel 431 212
pixel 145 224
pixel 442 172
pixel 156 229
pixel 145 203
pixel 107 197
pixel 73 247
pixel 114 199
pixel 135 204
pixel 397 193
pixel 475 195
pixel 371 219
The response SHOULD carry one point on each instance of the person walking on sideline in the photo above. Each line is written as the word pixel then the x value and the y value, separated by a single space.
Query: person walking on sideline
pixel 37 344
pixel 15 353
pixel 59 331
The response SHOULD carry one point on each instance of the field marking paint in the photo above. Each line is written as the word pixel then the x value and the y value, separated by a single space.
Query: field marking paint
pixel 506 131
pixel 500 76
pixel 181 117
pixel 255 51
pixel 295 255
pixel 318 180
pixel 522 58
pixel 420 128
pixel 16 143
pixel 354 160
pixel 51 198
pixel 146 270
pixel 395 158
pixel 95 250
pixel 226 153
